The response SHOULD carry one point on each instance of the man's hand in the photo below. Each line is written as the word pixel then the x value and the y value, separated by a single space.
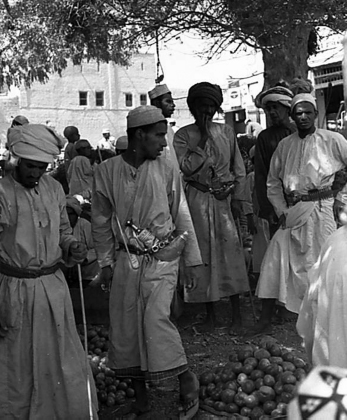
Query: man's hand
pixel 106 278
pixel 203 124
pixel 337 208
pixel 191 277
pixel 236 208
pixel 78 251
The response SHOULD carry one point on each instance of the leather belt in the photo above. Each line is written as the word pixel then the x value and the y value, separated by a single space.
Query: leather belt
pixel 201 187
pixel 313 195
pixel 26 273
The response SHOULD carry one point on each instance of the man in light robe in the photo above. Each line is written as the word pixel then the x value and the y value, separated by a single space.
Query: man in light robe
pixel 161 97
pixel 80 173
pixel 42 362
pixel 145 208
pixel 299 185
pixel 214 172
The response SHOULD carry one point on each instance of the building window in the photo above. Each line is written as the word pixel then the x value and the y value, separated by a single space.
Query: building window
pixel 83 98
pixel 143 99
pixel 99 98
pixel 128 99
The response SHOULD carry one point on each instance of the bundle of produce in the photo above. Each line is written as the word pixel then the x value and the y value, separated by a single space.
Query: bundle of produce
pixel 111 391
pixel 257 383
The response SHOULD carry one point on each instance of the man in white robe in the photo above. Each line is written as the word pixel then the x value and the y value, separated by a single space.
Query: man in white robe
pixel 299 184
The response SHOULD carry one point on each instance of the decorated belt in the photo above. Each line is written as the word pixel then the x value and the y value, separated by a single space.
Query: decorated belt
pixel 158 245
pixel 26 273
pixel 226 187
pixel 313 195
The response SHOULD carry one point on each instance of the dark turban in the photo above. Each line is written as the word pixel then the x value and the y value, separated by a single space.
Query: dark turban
pixel 205 90
pixel 278 94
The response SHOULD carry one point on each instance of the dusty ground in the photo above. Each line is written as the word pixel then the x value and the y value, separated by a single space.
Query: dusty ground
pixel 208 350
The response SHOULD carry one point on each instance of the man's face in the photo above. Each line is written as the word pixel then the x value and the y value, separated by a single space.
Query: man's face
pixel 204 109
pixel 29 172
pixel 154 141
pixel 85 149
pixel 304 116
pixel 167 105
pixel 106 135
pixel 72 215
pixel 277 112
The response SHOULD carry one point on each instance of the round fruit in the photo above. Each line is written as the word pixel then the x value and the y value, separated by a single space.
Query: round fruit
pixel 108 381
pixel 229 373
pixel 245 411
pixel 259 383
pixel 210 388
pixel 231 385
pixel 206 378
pixel 262 354
pixel 217 378
pixel 239 399
pixel 247 369
pixel 219 406
pixel 285 397
pixel 288 366
pixel 248 386
pixel 255 374
pixel 269 380
pixel 209 402
pixel 288 378
pixel 266 393
pixel 102 396
pixel 100 384
pixel 112 388
pixel 241 378
pixel 256 413
pixel 233 357
pixel 109 372
pixel 216 394
pixel 276 413
pixel 299 363
pixel 263 363
pixel 236 367
pixel 251 401
pixel 100 376
pixel 130 393
pixel 120 397
pixel 251 361
pixel 282 407
pixel 278 388
pixel 227 396
pixel 122 386
pixel 275 350
pixel 232 408
pixel 300 374
pixel 110 402
pixel 288 356
pixel 289 388
pixel 244 354
pixel 269 406
pixel 273 369
pixel 275 359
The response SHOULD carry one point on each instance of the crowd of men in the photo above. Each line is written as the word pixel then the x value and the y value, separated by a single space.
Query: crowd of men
pixel 162 211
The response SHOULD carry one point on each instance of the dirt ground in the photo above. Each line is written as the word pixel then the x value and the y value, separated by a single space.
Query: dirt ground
pixel 206 351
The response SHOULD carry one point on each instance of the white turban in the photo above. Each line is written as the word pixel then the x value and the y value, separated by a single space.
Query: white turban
pixel 159 90
pixel 303 97
pixel 144 115
pixel 276 94
pixel 35 142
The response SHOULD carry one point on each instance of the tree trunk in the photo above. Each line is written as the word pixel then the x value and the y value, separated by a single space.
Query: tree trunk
pixel 287 61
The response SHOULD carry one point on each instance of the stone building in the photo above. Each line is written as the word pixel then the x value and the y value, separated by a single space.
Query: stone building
pixel 91 96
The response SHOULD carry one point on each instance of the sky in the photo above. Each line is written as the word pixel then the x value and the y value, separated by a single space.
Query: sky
pixel 183 67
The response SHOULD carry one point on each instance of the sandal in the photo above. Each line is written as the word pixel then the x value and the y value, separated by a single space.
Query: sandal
pixel 189 403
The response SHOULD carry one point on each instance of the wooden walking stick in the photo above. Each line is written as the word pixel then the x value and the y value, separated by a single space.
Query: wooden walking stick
pixel 85 341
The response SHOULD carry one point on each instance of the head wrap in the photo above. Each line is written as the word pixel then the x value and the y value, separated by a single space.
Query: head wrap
pixel 122 143
pixel 20 120
pixel 303 97
pixel 159 90
pixel 80 143
pixel 205 90
pixel 35 142
pixel 144 115
pixel 74 204
pixel 106 131
pixel 276 94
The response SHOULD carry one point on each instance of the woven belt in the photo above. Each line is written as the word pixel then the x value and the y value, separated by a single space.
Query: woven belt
pixel 26 273
pixel 313 195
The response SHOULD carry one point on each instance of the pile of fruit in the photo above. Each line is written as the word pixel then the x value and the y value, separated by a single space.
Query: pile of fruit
pixel 111 391
pixel 257 383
